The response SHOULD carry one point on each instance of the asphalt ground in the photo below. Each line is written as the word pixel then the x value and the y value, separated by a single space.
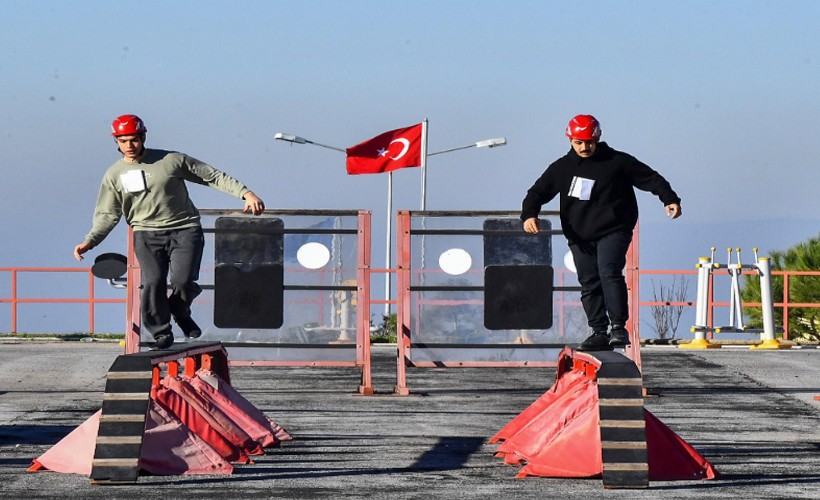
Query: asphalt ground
pixel 752 414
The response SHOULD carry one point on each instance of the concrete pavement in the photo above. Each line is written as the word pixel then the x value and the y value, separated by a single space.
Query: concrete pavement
pixel 752 414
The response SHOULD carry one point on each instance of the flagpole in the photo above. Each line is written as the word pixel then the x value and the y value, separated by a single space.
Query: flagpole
pixel 388 247
pixel 424 164
pixel 424 124
pixel 366 166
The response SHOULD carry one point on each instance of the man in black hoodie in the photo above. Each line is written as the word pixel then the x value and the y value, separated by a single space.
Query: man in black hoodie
pixel 598 214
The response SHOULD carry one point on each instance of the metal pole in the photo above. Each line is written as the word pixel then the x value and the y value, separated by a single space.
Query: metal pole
pixel 14 301
pixel 767 302
pixel 424 164
pixel 785 306
pixel 703 307
pixel 423 193
pixel 388 246
pixel 704 268
pixel 91 303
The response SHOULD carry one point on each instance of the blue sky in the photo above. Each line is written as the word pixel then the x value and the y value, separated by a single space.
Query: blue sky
pixel 720 97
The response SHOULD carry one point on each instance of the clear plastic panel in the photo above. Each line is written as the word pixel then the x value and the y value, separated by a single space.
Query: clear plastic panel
pixel 324 316
pixel 450 315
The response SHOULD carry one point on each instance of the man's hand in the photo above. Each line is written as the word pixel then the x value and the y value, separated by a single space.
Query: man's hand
pixel 531 225
pixel 80 249
pixel 253 204
pixel 673 210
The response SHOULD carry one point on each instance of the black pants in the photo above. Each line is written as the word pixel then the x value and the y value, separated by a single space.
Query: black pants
pixel 178 251
pixel 600 267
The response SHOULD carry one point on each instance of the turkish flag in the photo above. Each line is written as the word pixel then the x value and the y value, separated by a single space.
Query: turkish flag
pixel 400 148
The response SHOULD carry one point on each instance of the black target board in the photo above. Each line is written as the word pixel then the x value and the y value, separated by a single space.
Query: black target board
pixel 518 276
pixel 249 272
pixel 506 243
pixel 518 297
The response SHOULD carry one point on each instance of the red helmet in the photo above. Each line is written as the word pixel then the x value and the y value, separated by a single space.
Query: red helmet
pixel 584 128
pixel 128 125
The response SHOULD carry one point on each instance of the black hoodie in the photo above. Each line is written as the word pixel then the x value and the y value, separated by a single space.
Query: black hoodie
pixel 611 206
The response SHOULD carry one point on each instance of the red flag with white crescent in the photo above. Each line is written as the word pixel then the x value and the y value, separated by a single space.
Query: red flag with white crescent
pixel 400 148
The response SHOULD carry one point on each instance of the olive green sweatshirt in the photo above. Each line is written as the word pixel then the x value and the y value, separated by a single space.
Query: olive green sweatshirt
pixel 152 195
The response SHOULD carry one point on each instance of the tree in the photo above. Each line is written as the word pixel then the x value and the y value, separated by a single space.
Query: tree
pixel 667 316
pixel 386 331
pixel 804 322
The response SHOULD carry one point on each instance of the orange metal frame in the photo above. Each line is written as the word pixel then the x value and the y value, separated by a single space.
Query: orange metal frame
pixel 404 280
pixel 363 272
pixel 15 300
pixel 633 274
pixel 210 357
pixel 364 290
pixel 785 304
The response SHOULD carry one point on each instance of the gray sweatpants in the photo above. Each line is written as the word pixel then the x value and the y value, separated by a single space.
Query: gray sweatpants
pixel 174 251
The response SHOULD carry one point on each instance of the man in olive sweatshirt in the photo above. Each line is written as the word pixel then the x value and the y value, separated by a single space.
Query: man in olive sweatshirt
pixel 147 187
pixel 598 212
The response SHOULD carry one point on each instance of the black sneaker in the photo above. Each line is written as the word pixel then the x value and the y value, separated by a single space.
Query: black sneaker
pixel 162 341
pixel 619 337
pixel 189 327
pixel 598 341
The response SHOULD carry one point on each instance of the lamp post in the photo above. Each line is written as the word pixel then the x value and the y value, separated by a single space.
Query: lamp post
pixel 295 139
pixel 489 143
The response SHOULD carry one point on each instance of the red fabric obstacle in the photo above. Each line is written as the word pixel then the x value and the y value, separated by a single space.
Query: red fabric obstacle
pixel 200 425
pixel 215 418
pixel 562 385
pixel 256 430
pixel 576 452
pixel 242 404
pixel 192 426
pixel 72 454
pixel 670 457
pixel 559 436
pixel 169 447
pixel 549 443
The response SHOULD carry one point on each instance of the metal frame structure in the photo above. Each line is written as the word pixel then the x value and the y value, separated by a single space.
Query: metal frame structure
pixel 361 344
pixel 91 299
pixel 14 299
pixel 405 289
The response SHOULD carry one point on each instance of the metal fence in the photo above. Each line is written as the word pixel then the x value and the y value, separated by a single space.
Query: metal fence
pixel 21 287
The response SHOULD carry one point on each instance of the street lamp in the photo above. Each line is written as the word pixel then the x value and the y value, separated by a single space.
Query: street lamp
pixel 489 143
pixel 295 139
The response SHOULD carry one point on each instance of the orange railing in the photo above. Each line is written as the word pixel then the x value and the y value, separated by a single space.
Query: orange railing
pixel 91 297
pixel 14 298
pixel 785 303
